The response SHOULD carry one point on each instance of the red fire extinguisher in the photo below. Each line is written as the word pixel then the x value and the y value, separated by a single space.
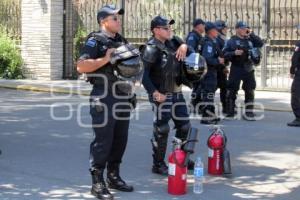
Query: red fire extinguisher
pixel 218 155
pixel 178 161
pixel 177 179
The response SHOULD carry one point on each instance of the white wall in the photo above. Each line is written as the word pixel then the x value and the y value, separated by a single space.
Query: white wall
pixel 42 43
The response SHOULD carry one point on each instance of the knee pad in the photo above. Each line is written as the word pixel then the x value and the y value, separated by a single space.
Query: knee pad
pixel 182 132
pixel 161 130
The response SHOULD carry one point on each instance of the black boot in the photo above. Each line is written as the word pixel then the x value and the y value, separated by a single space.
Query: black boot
pixel 230 105
pixel 191 164
pixel 223 93
pixel 159 151
pixel 99 188
pixel 224 109
pixel 249 106
pixel 160 168
pixel 159 147
pixel 195 105
pixel 209 122
pixel 209 116
pixel 114 180
pixel 295 123
pixel 249 116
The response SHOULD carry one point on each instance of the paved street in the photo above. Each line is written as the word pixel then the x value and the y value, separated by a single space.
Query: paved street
pixel 44 158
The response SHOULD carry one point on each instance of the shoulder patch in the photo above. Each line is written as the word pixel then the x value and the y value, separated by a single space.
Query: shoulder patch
pixel 297 49
pixel 91 42
pixel 227 42
pixel 209 49
pixel 190 38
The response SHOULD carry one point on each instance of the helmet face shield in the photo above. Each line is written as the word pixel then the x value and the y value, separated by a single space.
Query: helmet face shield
pixel 195 67
pixel 124 52
pixel 128 67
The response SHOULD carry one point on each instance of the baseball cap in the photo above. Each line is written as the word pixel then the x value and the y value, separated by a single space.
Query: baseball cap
pixel 161 21
pixel 220 24
pixel 209 26
pixel 108 10
pixel 197 22
pixel 241 24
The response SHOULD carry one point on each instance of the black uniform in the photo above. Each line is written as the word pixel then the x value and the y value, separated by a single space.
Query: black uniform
pixel 242 69
pixel 195 41
pixel 211 52
pixel 295 99
pixel 110 107
pixel 222 77
pixel 162 73
pixel 110 133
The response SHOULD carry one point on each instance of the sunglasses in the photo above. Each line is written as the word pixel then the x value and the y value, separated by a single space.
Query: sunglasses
pixel 166 28
pixel 114 18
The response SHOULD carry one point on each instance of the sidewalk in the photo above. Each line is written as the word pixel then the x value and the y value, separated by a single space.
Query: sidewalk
pixel 272 101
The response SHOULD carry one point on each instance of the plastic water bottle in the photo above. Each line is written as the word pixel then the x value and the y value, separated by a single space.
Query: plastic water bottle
pixel 198 176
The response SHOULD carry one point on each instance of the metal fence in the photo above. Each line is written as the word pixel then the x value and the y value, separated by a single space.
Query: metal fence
pixel 282 34
pixel 136 20
pixel 274 20
pixel 10 15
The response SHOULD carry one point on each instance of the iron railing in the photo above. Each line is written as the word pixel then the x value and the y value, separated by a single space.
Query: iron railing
pixel 274 20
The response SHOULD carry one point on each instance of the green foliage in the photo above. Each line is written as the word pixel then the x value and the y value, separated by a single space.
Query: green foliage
pixel 10 58
pixel 10 14
pixel 79 40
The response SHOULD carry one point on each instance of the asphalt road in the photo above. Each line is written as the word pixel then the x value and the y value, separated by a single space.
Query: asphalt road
pixel 45 149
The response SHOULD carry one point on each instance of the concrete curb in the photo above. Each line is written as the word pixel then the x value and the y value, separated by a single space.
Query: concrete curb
pixel 275 109
pixel 43 89
pixel 35 88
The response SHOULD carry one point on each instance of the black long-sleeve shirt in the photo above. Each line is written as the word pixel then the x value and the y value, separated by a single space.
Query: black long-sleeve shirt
pixel 235 43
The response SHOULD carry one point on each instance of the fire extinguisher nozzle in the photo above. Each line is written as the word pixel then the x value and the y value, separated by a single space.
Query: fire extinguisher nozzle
pixel 191 140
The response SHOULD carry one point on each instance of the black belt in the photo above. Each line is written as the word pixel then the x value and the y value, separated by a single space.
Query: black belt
pixel 100 80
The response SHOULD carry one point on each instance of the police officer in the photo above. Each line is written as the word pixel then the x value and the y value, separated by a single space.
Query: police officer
pixel 195 40
pixel 237 50
pixel 161 57
pixel 212 53
pixel 295 75
pixel 110 126
pixel 222 70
